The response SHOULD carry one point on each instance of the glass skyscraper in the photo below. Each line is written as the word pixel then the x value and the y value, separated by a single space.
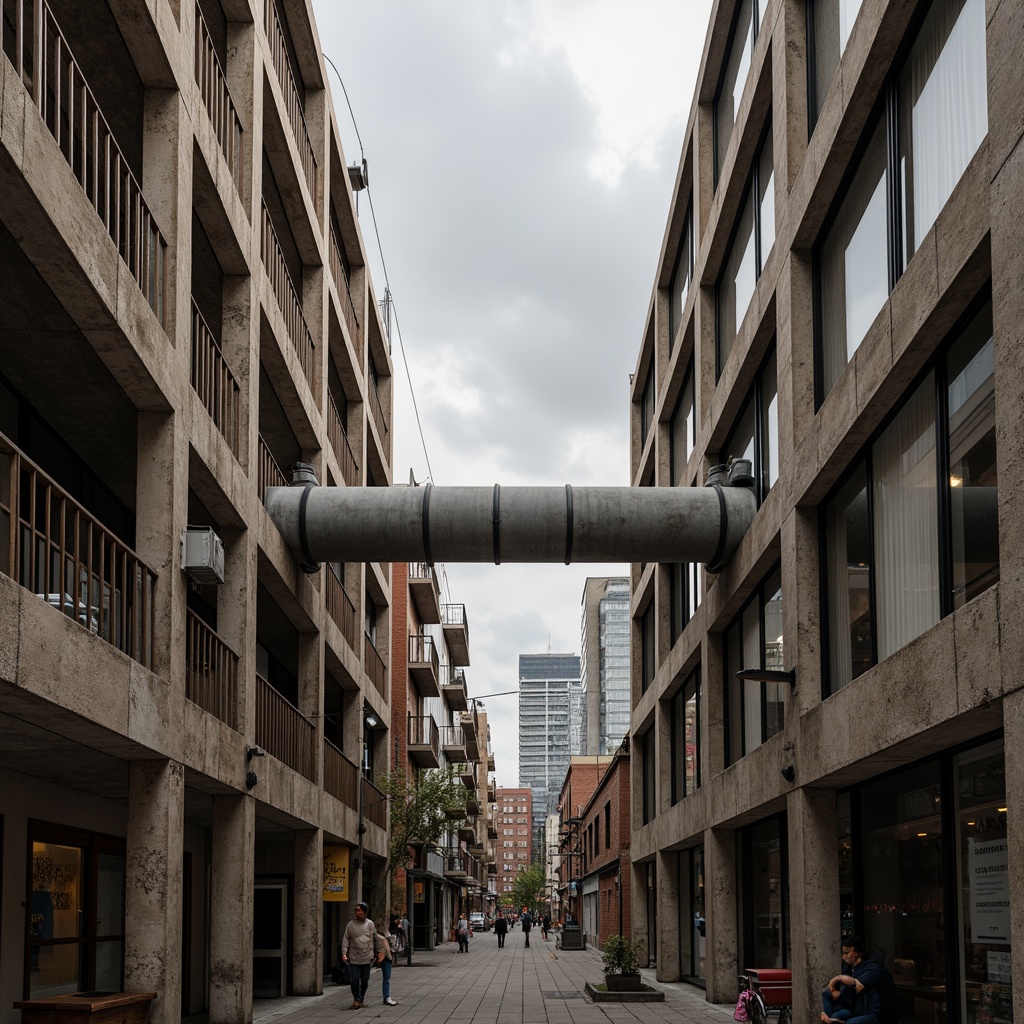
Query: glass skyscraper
pixel 604 669
pixel 550 713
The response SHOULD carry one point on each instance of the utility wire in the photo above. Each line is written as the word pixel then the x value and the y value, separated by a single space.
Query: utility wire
pixel 384 267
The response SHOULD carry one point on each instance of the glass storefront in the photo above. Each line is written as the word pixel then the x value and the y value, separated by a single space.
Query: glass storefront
pixel 698 949
pixel 765 904
pixel 923 877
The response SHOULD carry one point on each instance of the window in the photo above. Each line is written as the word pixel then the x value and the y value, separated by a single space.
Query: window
pixel 829 23
pixel 755 710
pixel 685 738
pixel 765 898
pixel 683 430
pixel 756 433
pixel 745 29
pixel 76 913
pixel 608 825
pixel 935 114
pixel 752 241
pixel 912 533
pixel 647 404
pixel 648 806
pixel 682 274
pixel 647 652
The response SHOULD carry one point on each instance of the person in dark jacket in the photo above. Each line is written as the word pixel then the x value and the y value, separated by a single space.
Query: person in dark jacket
pixel 864 993
pixel 545 926
pixel 501 930
pixel 527 922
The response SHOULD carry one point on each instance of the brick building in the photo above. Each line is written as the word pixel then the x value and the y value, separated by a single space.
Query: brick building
pixel 513 846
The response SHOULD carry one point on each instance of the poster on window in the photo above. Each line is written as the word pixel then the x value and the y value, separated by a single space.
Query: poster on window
pixel 335 874
pixel 990 890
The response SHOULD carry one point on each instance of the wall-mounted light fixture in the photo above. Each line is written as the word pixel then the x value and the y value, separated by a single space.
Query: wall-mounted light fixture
pixel 768 675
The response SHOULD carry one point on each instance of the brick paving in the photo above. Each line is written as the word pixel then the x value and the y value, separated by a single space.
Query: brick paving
pixel 514 985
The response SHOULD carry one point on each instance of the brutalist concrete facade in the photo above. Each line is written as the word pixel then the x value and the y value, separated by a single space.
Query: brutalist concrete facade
pixel 834 790
pixel 185 313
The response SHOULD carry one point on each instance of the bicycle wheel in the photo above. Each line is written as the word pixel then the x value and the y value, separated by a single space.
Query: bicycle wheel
pixel 786 1015
pixel 758 1011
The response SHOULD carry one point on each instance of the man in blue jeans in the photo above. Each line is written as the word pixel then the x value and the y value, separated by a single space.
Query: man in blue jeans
pixel 359 948
pixel 865 993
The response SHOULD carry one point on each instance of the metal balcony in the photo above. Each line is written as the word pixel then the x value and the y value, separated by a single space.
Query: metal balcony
pixel 424 665
pixel 453 743
pixel 424 742
pixel 454 691
pixel 425 592
pixel 456 632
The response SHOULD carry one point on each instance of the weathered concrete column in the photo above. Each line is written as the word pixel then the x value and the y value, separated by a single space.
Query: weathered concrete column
pixel 234 840
pixel 813 895
pixel 307 941
pixel 156 811
pixel 720 914
pixel 668 916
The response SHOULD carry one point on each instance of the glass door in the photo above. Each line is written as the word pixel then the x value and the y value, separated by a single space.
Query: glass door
pixel 269 940
pixel 698 943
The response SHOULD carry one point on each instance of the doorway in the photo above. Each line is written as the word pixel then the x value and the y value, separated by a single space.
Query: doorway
pixel 270 941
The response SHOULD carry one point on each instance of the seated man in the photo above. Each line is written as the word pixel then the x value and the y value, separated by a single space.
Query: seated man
pixel 865 994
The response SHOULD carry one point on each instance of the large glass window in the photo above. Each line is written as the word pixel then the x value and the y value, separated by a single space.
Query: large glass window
pixel 75 913
pixel 685 730
pixel 923 877
pixel 934 114
pixel 647 781
pixel 683 430
pixel 766 894
pixel 648 667
pixel 853 264
pixel 891 572
pixel 830 23
pixel 756 433
pixel 682 274
pixel 647 404
pixel 745 30
pixel 942 111
pixel 753 238
pixel 755 708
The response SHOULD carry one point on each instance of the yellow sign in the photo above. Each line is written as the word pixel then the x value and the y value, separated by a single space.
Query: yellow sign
pixel 335 874
pixel 417 892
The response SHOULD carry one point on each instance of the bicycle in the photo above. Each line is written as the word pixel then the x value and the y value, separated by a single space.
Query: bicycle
pixel 771 991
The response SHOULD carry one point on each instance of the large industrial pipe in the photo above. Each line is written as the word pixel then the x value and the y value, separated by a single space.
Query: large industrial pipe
pixel 515 524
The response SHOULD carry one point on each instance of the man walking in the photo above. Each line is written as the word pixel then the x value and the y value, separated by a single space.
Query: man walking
pixel 527 922
pixel 359 945
pixel 462 933
pixel 501 930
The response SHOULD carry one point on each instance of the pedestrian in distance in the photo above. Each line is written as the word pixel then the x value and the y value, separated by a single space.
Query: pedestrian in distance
pixel 385 963
pixel 359 946
pixel 526 920
pixel 545 926
pixel 463 933
pixel 501 930
pixel 405 935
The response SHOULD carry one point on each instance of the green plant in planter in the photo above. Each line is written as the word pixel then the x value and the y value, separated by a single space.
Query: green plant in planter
pixel 621 959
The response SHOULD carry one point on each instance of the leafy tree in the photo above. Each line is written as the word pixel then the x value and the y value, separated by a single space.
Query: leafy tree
pixel 424 807
pixel 530 887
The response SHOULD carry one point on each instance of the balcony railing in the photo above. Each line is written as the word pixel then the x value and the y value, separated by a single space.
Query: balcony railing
pixel 54 548
pixel 268 472
pixel 339 442
pixel 375 805
pixel 214 383
pixel 341 776
pixel 211 671
pixel 292 96
pixel 340 608
pixel 213 87
pixel 424 740
pixel 377 409
pixel 348 307
pixel 33 43
pixel 287 295
pixel 375 667
pixel 282 731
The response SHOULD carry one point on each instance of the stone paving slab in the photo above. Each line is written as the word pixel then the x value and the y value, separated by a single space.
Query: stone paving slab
pixel 488 985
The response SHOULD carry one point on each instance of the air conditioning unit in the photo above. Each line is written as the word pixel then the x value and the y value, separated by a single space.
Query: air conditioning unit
pixel 202 554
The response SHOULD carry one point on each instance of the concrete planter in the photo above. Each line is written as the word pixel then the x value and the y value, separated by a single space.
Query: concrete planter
pixel 622 982
pixel 646 994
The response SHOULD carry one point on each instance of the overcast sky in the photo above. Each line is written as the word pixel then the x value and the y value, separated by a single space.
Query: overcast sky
pixel 521 159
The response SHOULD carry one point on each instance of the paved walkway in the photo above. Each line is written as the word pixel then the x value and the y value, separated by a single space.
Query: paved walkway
pixel 514 985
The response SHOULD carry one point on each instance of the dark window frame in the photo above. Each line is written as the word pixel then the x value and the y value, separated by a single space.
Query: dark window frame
pixel 751 192
pixel 691 687
pixel 685 250
pixel 936 366
pixel 648 648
